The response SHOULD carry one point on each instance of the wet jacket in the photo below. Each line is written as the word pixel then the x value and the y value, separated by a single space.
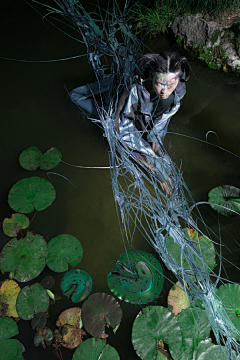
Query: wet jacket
pixel 134 123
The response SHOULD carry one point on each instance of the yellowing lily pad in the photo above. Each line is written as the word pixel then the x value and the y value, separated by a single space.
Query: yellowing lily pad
pixel 70 333
pixel 177 299
pixel 9 291
pixel 17 222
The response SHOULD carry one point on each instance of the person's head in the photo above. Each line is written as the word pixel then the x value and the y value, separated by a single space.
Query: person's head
pixel 164 70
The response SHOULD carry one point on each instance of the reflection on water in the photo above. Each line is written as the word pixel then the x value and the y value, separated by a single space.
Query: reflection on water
pixel 35 113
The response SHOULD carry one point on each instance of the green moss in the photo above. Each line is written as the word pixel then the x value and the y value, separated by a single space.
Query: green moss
pixel 215 35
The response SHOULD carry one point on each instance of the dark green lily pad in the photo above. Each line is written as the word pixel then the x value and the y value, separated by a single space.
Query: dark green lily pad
pixel 50 159
pixel 228 196
pixel 11 349
pixel 34 192
pixel 76 285
pixel 207 351
pixel 202 244
pixel 8 328
pixel 137 277
pixel 151 325
pixel 17 222
pixel 63 250
pixel 39 321
pixel 32 300
pixel 98 311
pixel 48 282
pixel 43 336
pixel 26 258
pixel 30 158
pixel 195 327
pixel 94 349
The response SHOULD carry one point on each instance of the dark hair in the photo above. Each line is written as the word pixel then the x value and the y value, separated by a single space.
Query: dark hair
pixel 164 63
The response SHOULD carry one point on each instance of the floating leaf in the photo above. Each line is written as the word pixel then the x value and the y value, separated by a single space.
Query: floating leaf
pixel 70 325
pixel 50 159
pixel 137 277
pixel 30 158
pixel 98 311
pixel 177 299
pixel 9 291
pixel 203 245
pixel 195 327
pixel 228 196
pixel 39 321
pixel 25 257
pixel 11 349
pixel 63 250
pixel 43 336
pixel 32 300
pixel 12 226
pixel 76 285
pixel 206 351
pixel 151 325
pixel 8 328
pixel 30 193
pixel 50 294
pixel 48 282
pixel 94 349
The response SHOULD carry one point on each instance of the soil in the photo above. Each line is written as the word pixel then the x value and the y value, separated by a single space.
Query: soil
pixel 226 18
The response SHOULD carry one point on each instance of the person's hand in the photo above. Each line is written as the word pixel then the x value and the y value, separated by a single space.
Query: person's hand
pixel 166 187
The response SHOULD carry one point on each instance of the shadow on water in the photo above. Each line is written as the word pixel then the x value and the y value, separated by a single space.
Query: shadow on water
pixel 34 112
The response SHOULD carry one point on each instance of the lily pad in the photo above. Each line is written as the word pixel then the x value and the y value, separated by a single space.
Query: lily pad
pixel 202 244
pixel 137 277
pixel 76 285
pixel 39 321
pixel 12 226
pixel 8 328
pixel 11 349
pixel 177 299
pixel 34 192
pixel 26 258
pixel 194 327
pixel 30 158
pixel 43 336
pixel 228 196
pixel 94 349
pixel 98 311
pixel 63 250
pixel 50 159
pixel 207 351
pixel 9 291
pixel 70 325
pixel 151 325
pixel 48 282
pixel 32 300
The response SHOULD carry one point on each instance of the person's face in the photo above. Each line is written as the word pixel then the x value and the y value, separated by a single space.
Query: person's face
pixel 164 84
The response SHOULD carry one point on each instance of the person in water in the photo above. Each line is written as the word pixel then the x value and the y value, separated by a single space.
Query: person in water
pixel 145 110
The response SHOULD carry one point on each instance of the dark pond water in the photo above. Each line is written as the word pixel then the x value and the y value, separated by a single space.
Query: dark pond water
pixel 34 112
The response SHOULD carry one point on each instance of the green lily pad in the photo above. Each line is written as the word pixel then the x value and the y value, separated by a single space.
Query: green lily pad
pixel 43 336
pixel 70 324
pixel 94 349
pixel 228 196
pixel 208 351
pixel 34 192
pixel 39 321
pixel 151 325
pixel 17 222
pixel 11 349
pixel 26 258
pixel 63 250
pixel 137 277
pixel 30 158
pixel 194 327
pixel 8 328
pixel 202 244
pixel 32 300
pixel 50 159
pixel 98 311
pixel 76 285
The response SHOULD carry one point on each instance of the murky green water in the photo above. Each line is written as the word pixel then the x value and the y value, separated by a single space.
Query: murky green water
pixel 34 112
